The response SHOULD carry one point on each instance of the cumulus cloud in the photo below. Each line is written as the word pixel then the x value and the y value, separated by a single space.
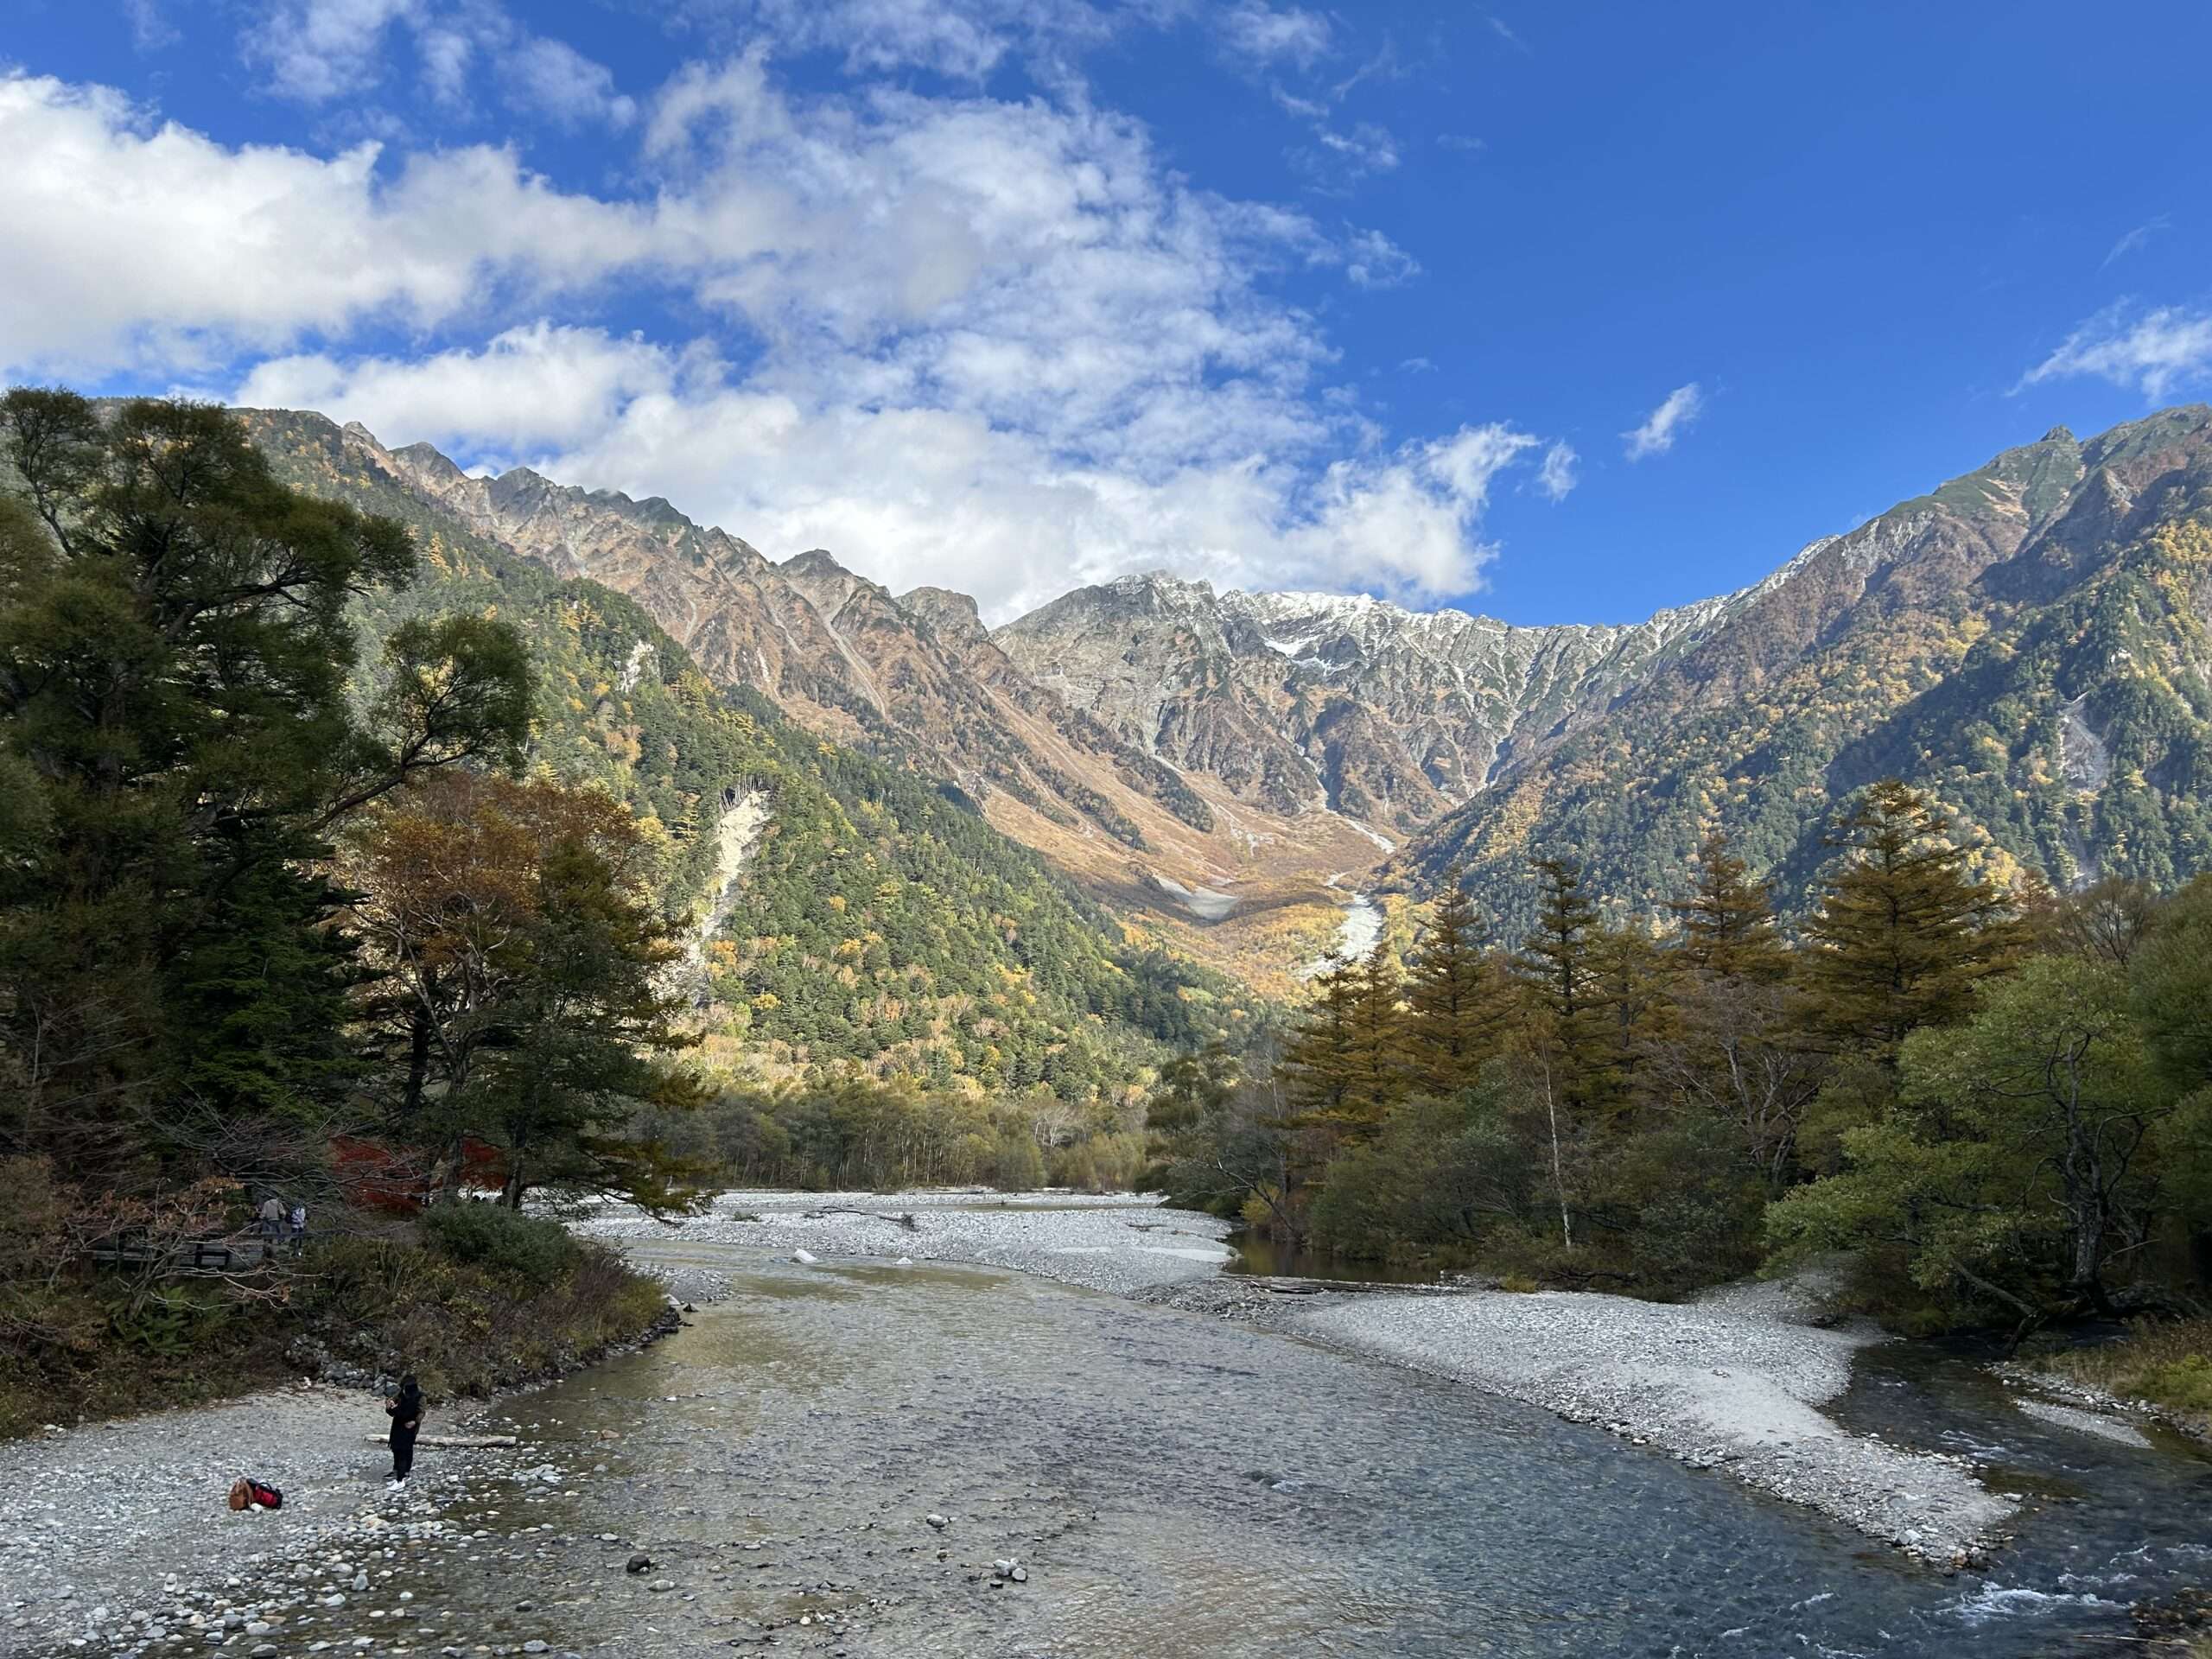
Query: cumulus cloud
pixel 2154 351
pixel 531 389
pixel 1556 478
pixel 257 244
pixel 1656 435
pixel 915 494
pixel 1001 345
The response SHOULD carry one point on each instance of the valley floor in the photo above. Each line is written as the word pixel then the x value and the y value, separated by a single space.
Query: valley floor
pixel 1160 1476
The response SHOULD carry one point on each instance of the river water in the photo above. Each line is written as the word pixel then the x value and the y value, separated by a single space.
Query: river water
pixel 1177 1485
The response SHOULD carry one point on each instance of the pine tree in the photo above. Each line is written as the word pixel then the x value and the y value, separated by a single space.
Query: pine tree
pixel 1727 919
pixel 178 659
pixel 1902 933
pixel 1558 972
pixel 1456 1005
pixel 1318 1066
pixel 1341 1065
pixel 1379 1031
pixel 1634 990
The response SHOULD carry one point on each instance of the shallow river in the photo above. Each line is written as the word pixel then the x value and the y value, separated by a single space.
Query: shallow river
pixel 1178 1486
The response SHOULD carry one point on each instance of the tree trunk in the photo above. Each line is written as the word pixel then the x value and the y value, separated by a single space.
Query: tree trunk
pixel 1559 1179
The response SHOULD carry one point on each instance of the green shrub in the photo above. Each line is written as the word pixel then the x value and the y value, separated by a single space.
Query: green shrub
pixel 2184 1383
pixel 491 1235
pixel 2169 1365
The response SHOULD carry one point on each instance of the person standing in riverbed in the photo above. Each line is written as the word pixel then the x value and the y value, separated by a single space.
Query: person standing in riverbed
pixel 405 1410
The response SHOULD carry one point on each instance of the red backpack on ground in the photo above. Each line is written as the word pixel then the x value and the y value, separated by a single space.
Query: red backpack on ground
pixel 247 1492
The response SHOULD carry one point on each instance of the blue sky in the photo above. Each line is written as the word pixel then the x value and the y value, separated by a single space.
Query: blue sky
pixel 1563 313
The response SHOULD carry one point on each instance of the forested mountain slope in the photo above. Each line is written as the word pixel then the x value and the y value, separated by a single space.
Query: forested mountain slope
pixel 2027 642
pixel 914 679
pixel 879 921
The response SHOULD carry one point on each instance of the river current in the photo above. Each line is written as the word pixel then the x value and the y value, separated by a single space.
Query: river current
pixel 1175 1485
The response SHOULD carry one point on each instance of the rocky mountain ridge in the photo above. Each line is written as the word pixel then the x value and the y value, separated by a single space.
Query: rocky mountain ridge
pixel 1161 738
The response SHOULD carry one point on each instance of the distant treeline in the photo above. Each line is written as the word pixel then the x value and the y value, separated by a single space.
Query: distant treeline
pixel 2000 1104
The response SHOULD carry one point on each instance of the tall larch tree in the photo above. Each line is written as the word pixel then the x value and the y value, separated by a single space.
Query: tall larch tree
pixel 1727 919
pixel 1557 971
pixel 1903 933
pixel 1457 1004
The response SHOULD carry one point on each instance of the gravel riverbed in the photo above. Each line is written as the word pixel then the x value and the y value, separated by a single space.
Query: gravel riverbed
pixel 1105 1478
pixel 1734 1381
pixel 1125 1244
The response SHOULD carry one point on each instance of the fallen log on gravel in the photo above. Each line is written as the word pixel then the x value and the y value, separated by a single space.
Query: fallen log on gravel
pixel 452 1441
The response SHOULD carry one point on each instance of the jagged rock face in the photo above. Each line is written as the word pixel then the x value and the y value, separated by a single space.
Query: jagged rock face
pixel 833 648
pixel 1387 714
pixel 2026 642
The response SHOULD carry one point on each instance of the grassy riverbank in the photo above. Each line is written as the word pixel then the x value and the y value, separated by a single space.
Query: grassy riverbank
pixel 471 1300
pixel 2168 1365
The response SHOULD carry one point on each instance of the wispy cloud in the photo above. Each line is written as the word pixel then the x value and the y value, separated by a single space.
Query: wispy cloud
pixel 1373 260
pixel 2154 351
pixel 1260 34
pixel 317 50
pixel 150 29
pixel 1498 27
pixel 1418 366
pixel 1465 142
pixel 1656 435
pixel 1556 478
pixel 2136 237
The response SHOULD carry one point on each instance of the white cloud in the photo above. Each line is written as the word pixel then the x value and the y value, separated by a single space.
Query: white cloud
pixel 1262 36
pixel 133 245
pixel 557 81
pixel 1366 149
pixel 965 40
pixel 150 29
pixel 529 390
pixel 912 494
pixel 317 50
pixel 1373 260
pixel 2136 237
pixel 2154 351
pixel 1656 435
pixel 1498 27
pixel 314 51
pixel 997 344
pixel 1556 478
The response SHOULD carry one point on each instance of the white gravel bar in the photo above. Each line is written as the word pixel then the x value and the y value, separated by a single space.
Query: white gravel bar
pixel 1122 1243
pixel 1735 1381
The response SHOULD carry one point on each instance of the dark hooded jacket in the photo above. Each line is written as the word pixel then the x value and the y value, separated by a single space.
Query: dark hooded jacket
pixel 406 1411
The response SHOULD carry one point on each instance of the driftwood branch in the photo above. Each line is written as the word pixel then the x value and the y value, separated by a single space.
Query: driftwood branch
pixel 456 1441
pixel 905 1219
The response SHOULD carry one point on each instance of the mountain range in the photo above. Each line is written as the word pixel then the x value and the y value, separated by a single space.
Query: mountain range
pixel 2026 641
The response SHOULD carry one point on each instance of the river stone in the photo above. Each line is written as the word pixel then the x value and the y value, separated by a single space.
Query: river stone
pixel 661 1585
pixel 640 1562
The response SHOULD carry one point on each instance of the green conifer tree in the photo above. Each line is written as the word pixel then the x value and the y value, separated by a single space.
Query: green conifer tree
pixel 1902 933
pixel 1727 919
pixel 1456 1006
pixel 1557 971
